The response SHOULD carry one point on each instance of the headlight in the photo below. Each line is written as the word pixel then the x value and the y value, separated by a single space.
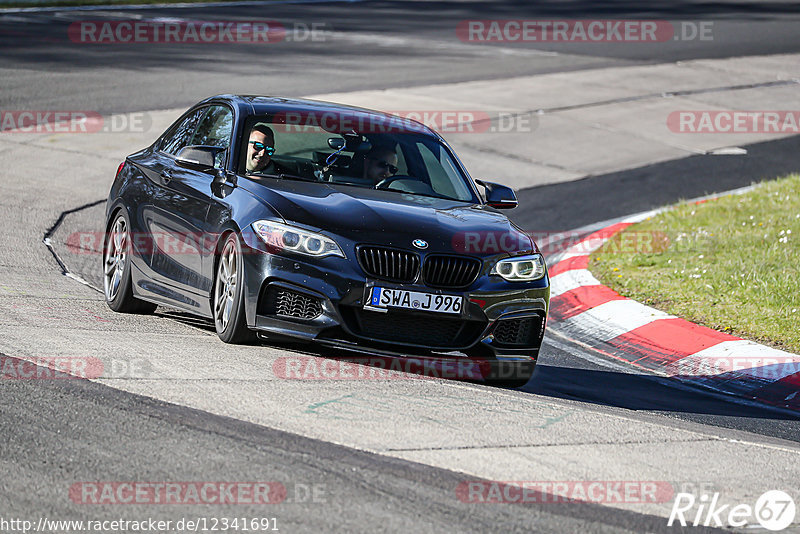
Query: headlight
pixel 286 237
pixel 521 268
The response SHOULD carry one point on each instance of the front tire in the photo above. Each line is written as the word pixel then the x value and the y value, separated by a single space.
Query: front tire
pixel 117 284
pixel 500 372
pixel 228 297
pixel 510 374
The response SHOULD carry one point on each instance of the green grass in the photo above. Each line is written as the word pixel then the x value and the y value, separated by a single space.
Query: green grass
pixel 731 264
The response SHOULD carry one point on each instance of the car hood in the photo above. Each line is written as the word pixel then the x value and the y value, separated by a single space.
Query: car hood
pixel 394 219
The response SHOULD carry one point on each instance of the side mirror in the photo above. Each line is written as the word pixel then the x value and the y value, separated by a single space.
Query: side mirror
pixel 499 196
pixel 197 157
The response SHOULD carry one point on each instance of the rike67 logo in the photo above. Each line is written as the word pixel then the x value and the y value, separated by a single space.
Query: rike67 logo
pixel 774 510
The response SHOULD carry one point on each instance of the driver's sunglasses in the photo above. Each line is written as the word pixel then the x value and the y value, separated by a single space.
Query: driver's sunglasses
pixel 386 165
pixel 261 146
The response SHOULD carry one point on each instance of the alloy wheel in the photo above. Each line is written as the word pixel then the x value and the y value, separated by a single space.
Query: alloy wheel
pixel 116 255
pixel 226 286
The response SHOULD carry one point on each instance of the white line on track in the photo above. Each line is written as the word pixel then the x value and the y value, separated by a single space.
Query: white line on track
pixel 584 352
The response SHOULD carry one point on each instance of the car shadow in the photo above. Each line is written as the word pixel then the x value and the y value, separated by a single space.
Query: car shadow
pixel 633 391
pixel 629 391
pixel 201 323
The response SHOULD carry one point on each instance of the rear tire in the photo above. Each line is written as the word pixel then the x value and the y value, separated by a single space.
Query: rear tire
pixel 117 284
pixel 227 302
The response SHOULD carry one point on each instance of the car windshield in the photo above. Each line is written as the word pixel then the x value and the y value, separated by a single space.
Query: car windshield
pixel 357 150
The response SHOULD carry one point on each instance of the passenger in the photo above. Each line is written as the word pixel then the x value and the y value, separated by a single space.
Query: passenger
pixel 380 163
pixel 260 148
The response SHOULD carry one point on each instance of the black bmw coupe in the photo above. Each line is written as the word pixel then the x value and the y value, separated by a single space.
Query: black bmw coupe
pixel 287 218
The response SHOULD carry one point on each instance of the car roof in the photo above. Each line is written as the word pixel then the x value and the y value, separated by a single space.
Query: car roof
pixel 263 105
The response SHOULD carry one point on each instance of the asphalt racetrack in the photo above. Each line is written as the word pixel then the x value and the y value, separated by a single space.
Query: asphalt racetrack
pixel 179 406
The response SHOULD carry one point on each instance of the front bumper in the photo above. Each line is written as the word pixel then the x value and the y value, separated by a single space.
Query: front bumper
pixel 322 299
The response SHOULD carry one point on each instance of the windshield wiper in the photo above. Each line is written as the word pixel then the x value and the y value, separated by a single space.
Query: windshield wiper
pixel 282 176
pixel 435 195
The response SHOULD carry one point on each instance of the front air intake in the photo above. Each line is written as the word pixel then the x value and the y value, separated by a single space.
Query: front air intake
pixel 523 332
pixel 284 302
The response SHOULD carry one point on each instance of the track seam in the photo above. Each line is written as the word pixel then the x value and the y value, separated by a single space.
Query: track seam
pixel 49 244
pixel 539 445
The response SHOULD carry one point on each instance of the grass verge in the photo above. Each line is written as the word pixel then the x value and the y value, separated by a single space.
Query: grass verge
pixel 732 264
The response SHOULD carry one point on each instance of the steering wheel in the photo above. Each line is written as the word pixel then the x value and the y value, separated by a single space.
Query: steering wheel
pixel 384 184
pixel 320 173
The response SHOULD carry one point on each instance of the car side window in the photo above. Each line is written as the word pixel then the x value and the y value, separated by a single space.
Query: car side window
pixel 215 129
pixel 181 135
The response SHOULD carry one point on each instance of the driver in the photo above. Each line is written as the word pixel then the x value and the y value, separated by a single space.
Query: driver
pixel 260 148
pixel 380 163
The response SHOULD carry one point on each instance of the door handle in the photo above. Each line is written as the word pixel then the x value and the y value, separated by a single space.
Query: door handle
pixel 166 176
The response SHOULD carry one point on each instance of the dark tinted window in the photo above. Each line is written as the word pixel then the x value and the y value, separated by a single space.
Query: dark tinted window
pixel 215 130
pixel 181 135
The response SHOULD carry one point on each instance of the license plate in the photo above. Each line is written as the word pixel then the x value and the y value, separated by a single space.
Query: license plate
pixel 384 297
